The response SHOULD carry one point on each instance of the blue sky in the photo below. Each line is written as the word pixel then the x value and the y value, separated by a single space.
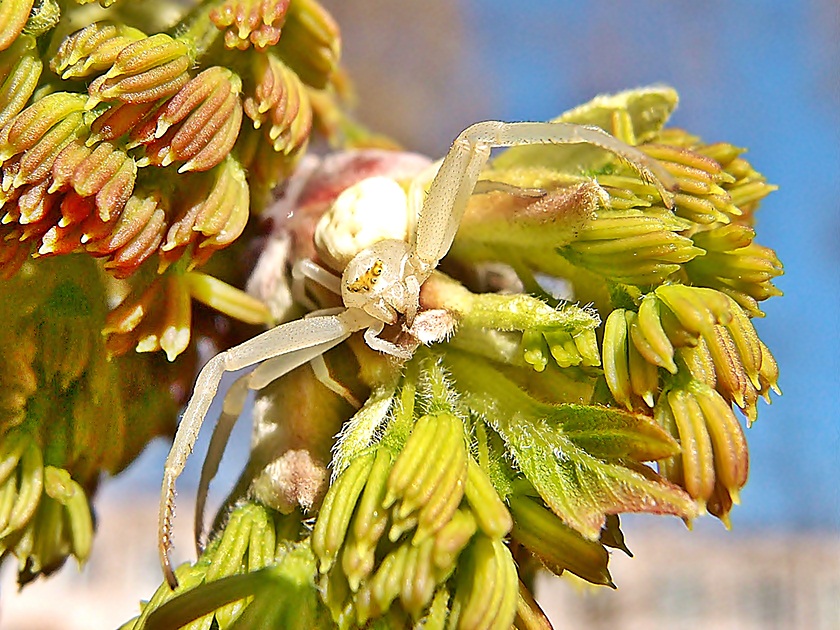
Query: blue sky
pixel 762 75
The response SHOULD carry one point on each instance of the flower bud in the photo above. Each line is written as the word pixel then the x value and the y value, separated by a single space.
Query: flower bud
pixel 157 319
pixel 487 591
pixel 714 451
pixel 630 247
pixel 735 265
pixel 198 125
pixel 108 173
pixel 120 120
pixel 248 22
pixel 211 215
pixel 144 71
pixel 311 43
pixel 13 17
pixel 20 69
pixel 34 124
pixel 557 545
pixel 697 309
pixel 92 49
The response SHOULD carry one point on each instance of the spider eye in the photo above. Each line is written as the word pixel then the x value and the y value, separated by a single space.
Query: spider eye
pixel 365 281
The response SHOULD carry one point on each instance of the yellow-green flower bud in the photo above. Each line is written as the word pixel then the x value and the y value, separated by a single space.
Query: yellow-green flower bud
pixel 735 265
pixel 714 451
pixel 616 358
pixel 337 509
pixel 697 309
pixel 144 71
pixel 92 49
pixel 557 545
pixel 310 43
pixel 34 123
pixel 630 247
pixel 20 69
pixel 490 512
pixel 488 588
pixel 649 336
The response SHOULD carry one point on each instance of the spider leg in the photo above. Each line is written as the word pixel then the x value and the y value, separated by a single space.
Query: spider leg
pixel 282 340
pixel 374 341
pixel 277 367
pixel 322 373
pixel 447 200
pixel 304 269
pixel 231 410
pixel 272 369
pixel 268 371
pixel 484 186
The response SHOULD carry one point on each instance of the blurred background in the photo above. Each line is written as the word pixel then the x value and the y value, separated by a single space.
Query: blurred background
pixel 763 75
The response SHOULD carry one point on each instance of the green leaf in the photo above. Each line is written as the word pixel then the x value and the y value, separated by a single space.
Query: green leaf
pixel 600 431
pixel 643 112
pixel 614 433
pixel 284 596
pixel 580 488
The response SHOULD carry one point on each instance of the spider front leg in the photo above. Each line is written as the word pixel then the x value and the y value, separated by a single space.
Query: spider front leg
pixel 234 402
pixel 287 339
pixel 456 179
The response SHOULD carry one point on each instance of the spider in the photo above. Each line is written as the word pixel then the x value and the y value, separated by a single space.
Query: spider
pixel 379 286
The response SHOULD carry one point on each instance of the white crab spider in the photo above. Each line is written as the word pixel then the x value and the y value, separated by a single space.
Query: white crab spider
pixel 379 286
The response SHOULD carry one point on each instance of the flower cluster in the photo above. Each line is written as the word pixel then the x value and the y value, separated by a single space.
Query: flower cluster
pixel 66 412
pixel 520 435
pixel 149 158
pixel 131 150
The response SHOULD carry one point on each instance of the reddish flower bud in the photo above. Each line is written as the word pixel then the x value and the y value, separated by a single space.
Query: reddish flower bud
pixel 249 22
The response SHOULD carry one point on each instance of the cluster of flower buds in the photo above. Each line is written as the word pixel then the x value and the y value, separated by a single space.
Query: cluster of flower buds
pixel 402 515
pixel 44 513
pixel 159 317
pixel 250 22
pixel 152 157
pixel 608 225
pixel 519 438
pixel 252 540
pixel 633 255
pixel 690 354
pixel 736 265
pixel 66 413
pixel 127 145
pixel 396 523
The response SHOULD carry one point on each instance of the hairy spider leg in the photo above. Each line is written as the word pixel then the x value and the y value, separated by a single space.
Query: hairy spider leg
pixel 444 206
pixel 234 402
pixel 266 372
pixel 284 339
pixel 302 270
pixel 231 410
pixel 273 369
pixel 306 268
